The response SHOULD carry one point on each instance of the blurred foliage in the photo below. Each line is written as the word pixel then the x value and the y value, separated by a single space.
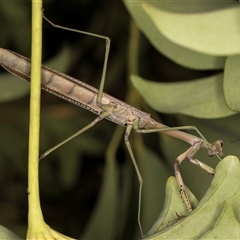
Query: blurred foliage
pixel 89 187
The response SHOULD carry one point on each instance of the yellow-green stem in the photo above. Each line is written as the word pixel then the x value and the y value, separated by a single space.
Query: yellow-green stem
pixel 33 158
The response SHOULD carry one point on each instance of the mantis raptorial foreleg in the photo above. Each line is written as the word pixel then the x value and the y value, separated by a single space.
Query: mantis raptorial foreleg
pixel 188 155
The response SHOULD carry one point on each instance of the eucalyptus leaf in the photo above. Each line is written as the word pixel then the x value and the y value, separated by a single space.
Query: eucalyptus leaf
pixel 231 83
pixel 206 32
pixel 178 54
pixel 217 210
pixel 202 98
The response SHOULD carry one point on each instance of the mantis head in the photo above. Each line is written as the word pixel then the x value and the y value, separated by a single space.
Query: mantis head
pixel 217 146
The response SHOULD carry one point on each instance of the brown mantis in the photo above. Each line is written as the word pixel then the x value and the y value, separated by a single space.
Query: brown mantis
pixel 119 112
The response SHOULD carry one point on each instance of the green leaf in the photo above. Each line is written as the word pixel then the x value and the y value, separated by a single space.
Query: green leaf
pixel 216 212
pixel 226 218
pixel 231 83
pixel 173 207
pixel 202 98
pixel 6 234
pixel 192 6
pixel 178 54
pixel 205 32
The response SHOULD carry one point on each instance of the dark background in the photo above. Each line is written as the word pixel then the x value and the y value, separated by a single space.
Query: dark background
pixel 71 177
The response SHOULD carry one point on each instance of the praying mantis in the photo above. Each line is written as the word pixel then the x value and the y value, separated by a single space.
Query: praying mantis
pixel 110 108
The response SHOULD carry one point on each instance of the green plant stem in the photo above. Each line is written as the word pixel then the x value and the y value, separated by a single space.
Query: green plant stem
pixel 37 228
pixel 35 213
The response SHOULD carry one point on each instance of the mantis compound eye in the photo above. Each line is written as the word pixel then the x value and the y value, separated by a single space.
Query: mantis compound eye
pixel 217 146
